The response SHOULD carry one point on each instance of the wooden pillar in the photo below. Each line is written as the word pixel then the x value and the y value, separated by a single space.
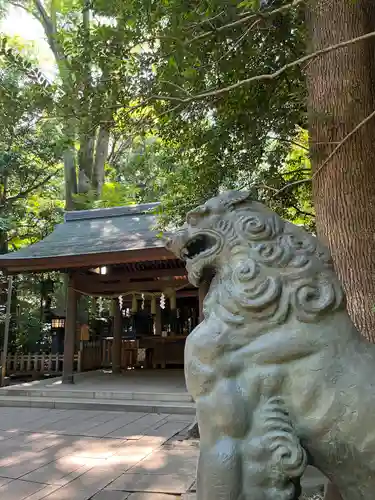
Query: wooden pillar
pixel 158 326
pixel 70 331
pixel 6 331
pixel 117 337
pixel 203 290
pixel 173 312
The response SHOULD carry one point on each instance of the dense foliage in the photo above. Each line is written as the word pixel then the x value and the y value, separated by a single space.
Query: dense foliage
pixel 126 121
pixel 31 175
pixel 241 138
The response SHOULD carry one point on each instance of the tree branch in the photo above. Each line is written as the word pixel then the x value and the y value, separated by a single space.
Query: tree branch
pixel 209 19
pixel 331 155
pixel 172 84
pixel 340 144
pixel 263 186
pixel 266 76
pixel 291 141
pixel 291 184
pixel 25 192
pixel 49 28
pixel 238 42
pixel 302 212
pixel 21 6
pixel 259 15
pixel 113 147
pixel 293 176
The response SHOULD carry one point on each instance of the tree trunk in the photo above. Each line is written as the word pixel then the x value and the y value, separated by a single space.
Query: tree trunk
pixel 101 155
pixel 3 250
pixel 340 96
pixel 70 177
pixel 87 130
pixel 86 161
pixel 3 201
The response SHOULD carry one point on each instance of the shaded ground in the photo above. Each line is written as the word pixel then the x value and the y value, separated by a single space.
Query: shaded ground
pixel 82 455
pixel 100 455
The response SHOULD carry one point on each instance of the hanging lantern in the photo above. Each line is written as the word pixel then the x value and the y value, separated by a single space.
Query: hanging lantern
pixel 57 323
pixel 153 305
pixel 134 304
pixel 172 300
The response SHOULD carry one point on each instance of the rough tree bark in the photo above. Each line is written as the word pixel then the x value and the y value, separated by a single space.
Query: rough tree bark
pixel 341 95
pixel 3 200
pixel 89 166
pixel 70 178
pixel 101 156
pixel 85 161
pixel 87 131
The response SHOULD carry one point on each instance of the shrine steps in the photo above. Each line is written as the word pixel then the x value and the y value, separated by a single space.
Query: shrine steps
pixel 67 391
pixel 76 401
pixel 159 391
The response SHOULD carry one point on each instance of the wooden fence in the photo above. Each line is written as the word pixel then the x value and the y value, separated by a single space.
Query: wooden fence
pixel 38 363
pixel 92 355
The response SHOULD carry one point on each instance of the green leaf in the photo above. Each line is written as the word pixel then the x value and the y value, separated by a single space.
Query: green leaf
pixel 190 73
pixel 252 4
pixel 172 62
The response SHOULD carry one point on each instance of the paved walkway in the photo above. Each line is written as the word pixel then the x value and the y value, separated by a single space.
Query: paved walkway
pixel 137 381
pixel 98 455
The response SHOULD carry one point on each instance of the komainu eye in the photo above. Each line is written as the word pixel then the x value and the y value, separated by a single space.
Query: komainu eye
pixel 192 219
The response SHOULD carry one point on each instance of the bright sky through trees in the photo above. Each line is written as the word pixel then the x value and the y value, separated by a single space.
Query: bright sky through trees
pixel 20 23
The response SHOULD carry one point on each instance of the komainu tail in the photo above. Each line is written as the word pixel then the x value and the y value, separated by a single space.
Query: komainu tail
pixel 273 458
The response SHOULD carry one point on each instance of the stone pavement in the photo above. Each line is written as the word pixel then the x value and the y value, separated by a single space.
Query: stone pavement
pixel 98 455
pixel 104 383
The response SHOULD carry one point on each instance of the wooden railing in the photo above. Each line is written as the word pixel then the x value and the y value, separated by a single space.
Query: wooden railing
pixel 93 355
pixel 129 353
pixel 37 363
pixel 90 355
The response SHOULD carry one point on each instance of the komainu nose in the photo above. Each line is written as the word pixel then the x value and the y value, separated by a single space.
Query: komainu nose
pixel 168 243
pixel 176 242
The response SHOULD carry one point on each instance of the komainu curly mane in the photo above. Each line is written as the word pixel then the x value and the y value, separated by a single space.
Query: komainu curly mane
pixel 276 368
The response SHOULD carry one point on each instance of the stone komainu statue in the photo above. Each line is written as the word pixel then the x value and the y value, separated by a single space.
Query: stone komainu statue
pixel 280 376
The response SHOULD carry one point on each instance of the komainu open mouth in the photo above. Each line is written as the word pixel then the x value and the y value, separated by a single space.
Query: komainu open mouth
pixel 197 245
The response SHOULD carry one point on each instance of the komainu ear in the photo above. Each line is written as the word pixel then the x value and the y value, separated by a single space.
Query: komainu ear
pixel 234 198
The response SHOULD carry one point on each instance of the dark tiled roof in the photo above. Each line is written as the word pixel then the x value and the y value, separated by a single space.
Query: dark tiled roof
pixel 96 231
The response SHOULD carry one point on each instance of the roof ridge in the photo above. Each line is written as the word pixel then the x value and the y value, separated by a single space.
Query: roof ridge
pixel 100 213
